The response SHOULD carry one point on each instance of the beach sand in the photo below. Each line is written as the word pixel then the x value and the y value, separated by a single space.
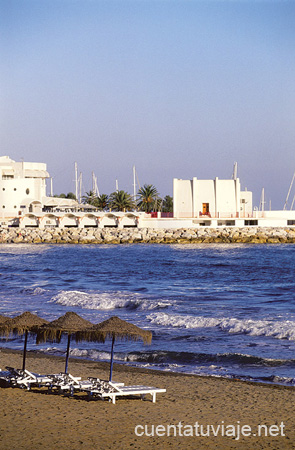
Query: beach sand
pixel 37 419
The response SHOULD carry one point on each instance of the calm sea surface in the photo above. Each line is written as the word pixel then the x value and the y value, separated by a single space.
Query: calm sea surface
pixel 223 310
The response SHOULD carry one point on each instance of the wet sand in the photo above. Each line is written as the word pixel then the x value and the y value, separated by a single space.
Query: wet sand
pixel 37 419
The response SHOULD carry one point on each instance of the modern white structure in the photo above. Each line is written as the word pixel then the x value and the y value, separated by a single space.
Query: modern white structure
pixel 220 199
pixel 197 203
pixel 22 187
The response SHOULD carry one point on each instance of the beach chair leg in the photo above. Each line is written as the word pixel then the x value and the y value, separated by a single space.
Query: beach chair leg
pixel 154 397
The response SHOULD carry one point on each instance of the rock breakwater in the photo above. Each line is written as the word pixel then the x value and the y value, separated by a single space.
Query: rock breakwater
pixel 247 235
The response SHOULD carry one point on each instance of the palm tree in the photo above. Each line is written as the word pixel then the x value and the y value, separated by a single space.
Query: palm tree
pixel 149 199
pixel 121 201
pixel 168 204
pixel 71 196
pixel 90 198
pixel 102 201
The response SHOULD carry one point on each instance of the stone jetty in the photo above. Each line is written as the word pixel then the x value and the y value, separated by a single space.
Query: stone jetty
pixel 247 235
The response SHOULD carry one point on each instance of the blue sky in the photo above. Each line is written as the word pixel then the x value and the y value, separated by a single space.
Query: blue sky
pixel 177 88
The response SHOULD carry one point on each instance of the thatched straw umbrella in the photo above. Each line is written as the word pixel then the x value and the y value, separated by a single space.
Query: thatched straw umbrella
pixel 3 319
pixel 25 323
pixel 70 324
pixel 116 328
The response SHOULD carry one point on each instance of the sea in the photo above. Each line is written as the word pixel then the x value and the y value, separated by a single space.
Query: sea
pixel 222 310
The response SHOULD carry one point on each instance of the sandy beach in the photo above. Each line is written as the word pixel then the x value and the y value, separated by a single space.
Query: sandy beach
pixel 233 412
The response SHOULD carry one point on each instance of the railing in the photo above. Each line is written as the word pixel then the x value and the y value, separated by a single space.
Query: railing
pixel 221 215
pixel 155 214
pixel 167 214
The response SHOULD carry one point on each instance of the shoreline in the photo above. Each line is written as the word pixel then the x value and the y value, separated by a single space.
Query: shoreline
pixel 227 235
pixel 30 420
pixel 121 367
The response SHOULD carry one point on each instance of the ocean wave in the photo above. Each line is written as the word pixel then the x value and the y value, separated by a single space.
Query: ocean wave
pixel 202 364
pixel 172 357
pixel 95 355
pixel 90 354
pixel 107 301
pixel 279 380
pixel 165 357
pixel 284 329
pixel 33 291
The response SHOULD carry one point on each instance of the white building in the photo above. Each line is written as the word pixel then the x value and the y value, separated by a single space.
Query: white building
pixel 22 187
pixel 197 203
pixel 219 199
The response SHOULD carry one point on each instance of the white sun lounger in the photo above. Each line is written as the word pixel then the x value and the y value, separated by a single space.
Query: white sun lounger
pixel 64 382
pixel 27 379
pixel 5 378
pixel 134 390
pixel 111 390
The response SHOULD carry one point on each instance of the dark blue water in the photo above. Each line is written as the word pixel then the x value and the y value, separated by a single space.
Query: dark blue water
pixel 223 310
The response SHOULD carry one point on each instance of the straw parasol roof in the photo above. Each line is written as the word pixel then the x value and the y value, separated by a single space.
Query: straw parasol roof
pixel 70 324
pixel 116 328
pixel 25 322
pixel 3 318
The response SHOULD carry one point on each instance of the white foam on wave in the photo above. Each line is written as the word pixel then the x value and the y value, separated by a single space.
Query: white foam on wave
pixel 107 301
pixel 22 249
pixel 283 380
pixel 90 354
pixel 277 329
pixel 34 291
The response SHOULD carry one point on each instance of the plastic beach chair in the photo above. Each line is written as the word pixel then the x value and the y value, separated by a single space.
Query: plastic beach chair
pixel 112 390
pixel 26 379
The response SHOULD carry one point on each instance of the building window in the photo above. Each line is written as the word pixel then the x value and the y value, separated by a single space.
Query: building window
pixel 27 191
pixel 290 222
pixel 14 206
pixel 251 223
pixel 227 223
pixel 3 206
pixel 14 189
pixel 3 189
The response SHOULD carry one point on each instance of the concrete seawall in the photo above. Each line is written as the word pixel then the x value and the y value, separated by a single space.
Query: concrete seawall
pixel 251 235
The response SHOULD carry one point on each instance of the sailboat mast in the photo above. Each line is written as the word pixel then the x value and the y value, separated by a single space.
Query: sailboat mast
pixel 51 187
pixel 76 180
pixel 134 183
pixel 94 185
pixel 80 187
pixel 285 205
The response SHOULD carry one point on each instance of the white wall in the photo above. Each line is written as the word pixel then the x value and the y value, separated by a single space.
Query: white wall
pixel 182 197
pixel 204 193
pixel 226 196
pixel 246 205
pixel 223 197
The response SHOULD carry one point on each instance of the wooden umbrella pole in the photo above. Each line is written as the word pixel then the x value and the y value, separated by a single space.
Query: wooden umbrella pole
pixel 25 350
pixel 112 358
pixel 68 353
